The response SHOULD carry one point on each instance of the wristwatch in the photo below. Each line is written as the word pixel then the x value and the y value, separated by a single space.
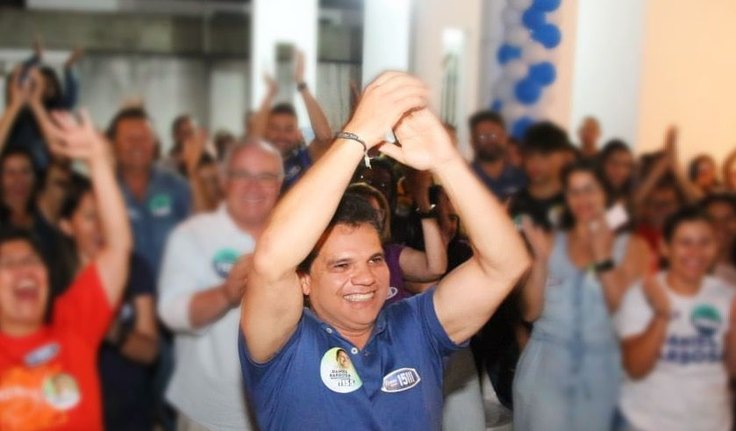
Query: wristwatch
pixel 430 213
pixel 301 86
pixel 603 266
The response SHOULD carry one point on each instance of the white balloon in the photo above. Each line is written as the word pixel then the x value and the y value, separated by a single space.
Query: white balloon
pixel 504 90
pixel 515 69
pixel 534 52
pixel 513 111
pixel 543 107
pixel 511 16
pixel 517 35
pixel 521 4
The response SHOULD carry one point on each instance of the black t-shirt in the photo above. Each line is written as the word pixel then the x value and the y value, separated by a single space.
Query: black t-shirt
pixel 543 212
pixel 126 385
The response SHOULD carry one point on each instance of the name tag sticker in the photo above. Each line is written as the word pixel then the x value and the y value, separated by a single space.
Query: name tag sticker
pixel 42 354
pixel 338 373
pixel 400 380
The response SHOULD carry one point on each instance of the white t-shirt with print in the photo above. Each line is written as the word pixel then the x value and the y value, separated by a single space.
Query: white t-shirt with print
pixel 206 384
pixel 688 387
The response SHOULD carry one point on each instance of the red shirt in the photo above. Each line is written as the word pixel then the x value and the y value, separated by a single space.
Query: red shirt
pixel 48 380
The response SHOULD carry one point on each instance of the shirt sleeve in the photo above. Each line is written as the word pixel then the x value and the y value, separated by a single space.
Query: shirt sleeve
pixel 84 308
pixel 177 282
pixel 432 327
pixel 634 313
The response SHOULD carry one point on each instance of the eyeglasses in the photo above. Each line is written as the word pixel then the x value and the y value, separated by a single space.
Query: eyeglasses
pixel 487 137
pixel 264 178
pixel 26 262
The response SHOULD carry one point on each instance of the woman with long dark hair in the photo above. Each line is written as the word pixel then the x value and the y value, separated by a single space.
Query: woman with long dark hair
pixel 569 373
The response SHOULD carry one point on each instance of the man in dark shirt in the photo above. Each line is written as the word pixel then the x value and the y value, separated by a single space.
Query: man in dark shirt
pixel 490 164
pixel 544 156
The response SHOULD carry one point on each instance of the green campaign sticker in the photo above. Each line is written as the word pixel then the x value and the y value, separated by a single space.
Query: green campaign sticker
pixel 224 260
pixel 160 205
pixel 706 319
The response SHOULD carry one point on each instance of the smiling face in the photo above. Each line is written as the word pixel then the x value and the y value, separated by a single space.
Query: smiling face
pixel 348 281
pixel 17 179
pixel 135 144
pixel 585 196
pixel 253 183
pixel 692 250
pixel 618 168
pixel 23 287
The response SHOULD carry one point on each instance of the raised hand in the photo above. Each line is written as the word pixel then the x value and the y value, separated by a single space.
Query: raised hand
pixel 600 238
pixel 77 139
pixel 74 57
pixel 384 101
pixel 18 91
pixel 236 279
pixel 36 85
pixel 424 142
pixel 657 297
pixel 194 148
pixel 271 85
pixel 538 239
pixel 298 66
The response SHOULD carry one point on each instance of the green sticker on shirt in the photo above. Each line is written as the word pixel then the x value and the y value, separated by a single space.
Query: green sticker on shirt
pixel 160 205
pixel 338 373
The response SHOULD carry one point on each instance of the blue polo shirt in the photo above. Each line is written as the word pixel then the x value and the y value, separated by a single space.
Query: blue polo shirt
pixel 167 202
pixel 321 381
pixel 511 180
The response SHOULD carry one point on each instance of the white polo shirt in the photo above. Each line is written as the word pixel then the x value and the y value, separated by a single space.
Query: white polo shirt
pixel 206 384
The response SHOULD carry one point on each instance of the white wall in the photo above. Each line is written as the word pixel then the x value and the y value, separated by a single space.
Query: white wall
pixel 689 76
pixel 607 66
pixel 432 17
pixel 386 36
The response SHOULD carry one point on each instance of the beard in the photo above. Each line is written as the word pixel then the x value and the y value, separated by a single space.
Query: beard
pixel 490 152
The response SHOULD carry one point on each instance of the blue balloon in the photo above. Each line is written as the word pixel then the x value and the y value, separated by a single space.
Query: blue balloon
pixel 496 105
pixel 548 35
pixel 533 18
pixel 544 73
pixel 520 126
pixel 507 53
pixel 528 91
pixel 546 5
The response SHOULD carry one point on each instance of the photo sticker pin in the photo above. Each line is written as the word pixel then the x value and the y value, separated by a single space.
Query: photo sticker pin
pixel 338 373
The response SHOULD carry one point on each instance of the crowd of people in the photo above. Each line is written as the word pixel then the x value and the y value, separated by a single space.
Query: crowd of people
pixel 252 280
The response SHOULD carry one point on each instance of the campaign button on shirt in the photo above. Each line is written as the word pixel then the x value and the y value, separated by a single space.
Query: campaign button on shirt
pixel 223 261
pixel 160 205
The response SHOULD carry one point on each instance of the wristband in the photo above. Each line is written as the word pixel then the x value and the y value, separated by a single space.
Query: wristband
pixel 301 86
pixel 353 137
pixel 603 266
pixel 430 213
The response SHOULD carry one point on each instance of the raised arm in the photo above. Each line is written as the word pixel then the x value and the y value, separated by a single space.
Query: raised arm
pixel 466 298
pixel 273 301
pixel 317 118
pixel 18 98
pixel 531 299
pixel 258 122
pixel 80 141
pixel 430 264
pixel 193 152
pixel 35 102
pixel 640 352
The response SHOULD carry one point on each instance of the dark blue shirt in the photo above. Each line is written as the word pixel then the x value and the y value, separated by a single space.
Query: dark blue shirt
pixel 321 381
pixel 167 202
pixel 510 181
pixel 296 164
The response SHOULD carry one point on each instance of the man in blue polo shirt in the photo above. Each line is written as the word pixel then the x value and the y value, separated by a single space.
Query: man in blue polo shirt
pixel 347 363
pixel 157 199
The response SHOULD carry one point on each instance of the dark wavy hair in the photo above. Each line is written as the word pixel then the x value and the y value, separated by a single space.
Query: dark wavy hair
pixel 587 166
pixel 353 210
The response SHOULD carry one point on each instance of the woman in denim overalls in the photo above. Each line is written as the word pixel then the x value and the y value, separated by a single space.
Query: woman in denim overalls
pixel 569 374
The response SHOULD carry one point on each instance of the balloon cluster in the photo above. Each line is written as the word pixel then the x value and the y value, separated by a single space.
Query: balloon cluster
pixel 525 57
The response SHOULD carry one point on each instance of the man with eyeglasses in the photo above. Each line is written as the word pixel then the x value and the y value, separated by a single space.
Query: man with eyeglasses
pixel 490 147
pixel 200 290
